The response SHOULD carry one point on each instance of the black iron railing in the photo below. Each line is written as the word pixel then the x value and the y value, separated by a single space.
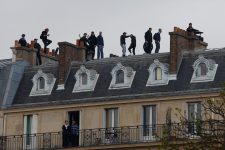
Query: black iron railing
pixel 107 136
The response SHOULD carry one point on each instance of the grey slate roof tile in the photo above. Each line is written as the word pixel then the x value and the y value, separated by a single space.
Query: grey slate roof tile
pixel 139 63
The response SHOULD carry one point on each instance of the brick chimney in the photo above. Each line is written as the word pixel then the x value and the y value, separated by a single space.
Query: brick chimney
pixel 29 54
pixel 67 53
pixel 181 41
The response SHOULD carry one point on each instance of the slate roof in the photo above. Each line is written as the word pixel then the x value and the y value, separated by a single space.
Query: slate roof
pixel 4 74
pixel 140 63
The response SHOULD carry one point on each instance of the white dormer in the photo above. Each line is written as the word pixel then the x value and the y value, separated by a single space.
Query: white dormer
pixel 43 83
pixel 122 77
pixel 158 74
pixel 85 80
pixel 204 70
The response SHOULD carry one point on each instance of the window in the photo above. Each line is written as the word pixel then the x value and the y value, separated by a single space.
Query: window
pixel 149 120
pixel 122 77
pixel 204 70
pixel 83 79
pixel 86 80
pixel 30 128
pixel 112 119
pixel 119 77
pixel 194 115
pixel 158 73
pixel 41 83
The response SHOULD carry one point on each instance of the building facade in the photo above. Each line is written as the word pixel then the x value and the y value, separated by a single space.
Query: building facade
pixel 119 103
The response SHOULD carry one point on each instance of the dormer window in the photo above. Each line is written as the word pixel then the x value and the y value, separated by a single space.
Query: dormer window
pixel 122 77
pixel 119 77
pixel 158 74
pixel 85 80
pixel 43 83
pixel 204 70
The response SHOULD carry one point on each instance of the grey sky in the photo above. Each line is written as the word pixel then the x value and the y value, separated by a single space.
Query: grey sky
pixel 66 19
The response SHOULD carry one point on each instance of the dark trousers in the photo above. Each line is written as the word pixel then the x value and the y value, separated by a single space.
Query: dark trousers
pixel 46 43
pixel 38 60
pixel 92 51
pixel 148 47
pixel 132 47
pixel 74 140
pixel 66 140
pixel 157 46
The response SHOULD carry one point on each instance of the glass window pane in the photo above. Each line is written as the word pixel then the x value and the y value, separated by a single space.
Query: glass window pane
pixel 84 78
pixel 119 76
pixel 112 119
pixel 158 73
pixel 41 83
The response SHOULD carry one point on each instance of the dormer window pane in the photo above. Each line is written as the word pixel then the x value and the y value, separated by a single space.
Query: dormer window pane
pixel 41 83
pixel 83 79
pixel 202 70
pixel 119 76
pixel 158 73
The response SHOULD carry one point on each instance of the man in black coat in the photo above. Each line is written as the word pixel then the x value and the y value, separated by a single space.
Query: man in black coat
pixel 157 39
pixel 85 42
pixel 148 41
pixel 92 40
pixel 132 44
pixel 38 47
pixel 45 40
pixel 66 134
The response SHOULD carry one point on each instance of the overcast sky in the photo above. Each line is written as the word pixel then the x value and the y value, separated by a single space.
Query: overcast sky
pixel 66 19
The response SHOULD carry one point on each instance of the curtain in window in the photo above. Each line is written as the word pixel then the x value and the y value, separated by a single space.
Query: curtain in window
pixel 119 76
pixel 158 73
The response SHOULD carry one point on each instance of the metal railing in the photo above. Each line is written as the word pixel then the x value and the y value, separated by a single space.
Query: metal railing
pixel 108 136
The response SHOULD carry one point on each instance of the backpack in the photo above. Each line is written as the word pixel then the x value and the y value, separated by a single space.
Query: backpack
pixel 154 37
pixel 41 36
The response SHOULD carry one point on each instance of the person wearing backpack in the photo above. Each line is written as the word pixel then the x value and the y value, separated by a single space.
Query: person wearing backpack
pixel 44 36
pixel 157 39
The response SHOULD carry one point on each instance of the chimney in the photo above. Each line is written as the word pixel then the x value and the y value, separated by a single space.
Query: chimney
pixel 181 41
pixel 67 53
pixel 29 54
pixel 24 53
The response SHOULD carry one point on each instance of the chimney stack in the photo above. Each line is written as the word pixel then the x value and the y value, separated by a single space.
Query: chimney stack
pixel 67 53
pixel 181 41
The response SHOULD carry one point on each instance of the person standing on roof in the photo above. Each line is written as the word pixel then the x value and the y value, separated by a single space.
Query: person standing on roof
pixel 123 43
pixel 148 41
pixel 45 40
pixel 157 39
pixel 100 45
pixel 85 42
pixel 38 47
pixel 23 41
pixel 132 44
pixel 92 40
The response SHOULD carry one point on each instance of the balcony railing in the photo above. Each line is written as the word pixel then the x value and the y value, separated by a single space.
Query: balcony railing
pixel 105 136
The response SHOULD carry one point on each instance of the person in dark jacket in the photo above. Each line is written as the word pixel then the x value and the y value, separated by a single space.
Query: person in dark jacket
pixel 132 44
pixel 148 41
pixel 74 131
pixel 38 47
pixel 66 134
pixel 100 45
pixel 23 41
pixel 123 43
pixel 45 40
pixel 157 39
pixel 85 42
pixel 92 40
